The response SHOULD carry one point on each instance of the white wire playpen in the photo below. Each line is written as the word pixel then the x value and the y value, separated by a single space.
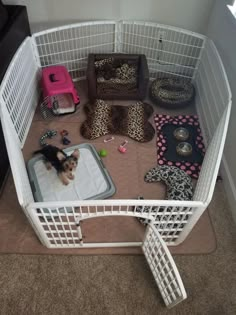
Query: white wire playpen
pixel 169 50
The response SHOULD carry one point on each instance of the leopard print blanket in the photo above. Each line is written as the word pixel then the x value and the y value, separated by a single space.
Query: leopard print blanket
pixel 119 72
pixel 130 121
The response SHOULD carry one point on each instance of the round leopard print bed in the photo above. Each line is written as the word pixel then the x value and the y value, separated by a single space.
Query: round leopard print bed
pixel 172 92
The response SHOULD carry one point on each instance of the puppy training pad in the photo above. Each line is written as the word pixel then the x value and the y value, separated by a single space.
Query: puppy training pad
pixel 92 181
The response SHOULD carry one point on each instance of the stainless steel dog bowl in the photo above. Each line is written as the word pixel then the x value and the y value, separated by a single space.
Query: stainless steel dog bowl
pixel 184 149
pixel 181 133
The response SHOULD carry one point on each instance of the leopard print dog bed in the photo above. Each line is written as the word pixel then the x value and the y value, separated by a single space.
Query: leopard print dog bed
pixel 131 121
pixel 179 185
pixel 172 92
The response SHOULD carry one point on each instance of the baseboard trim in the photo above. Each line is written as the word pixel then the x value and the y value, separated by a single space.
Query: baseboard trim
pixel 229 186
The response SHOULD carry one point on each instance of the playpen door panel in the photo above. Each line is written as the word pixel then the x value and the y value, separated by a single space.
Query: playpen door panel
pixel 163 268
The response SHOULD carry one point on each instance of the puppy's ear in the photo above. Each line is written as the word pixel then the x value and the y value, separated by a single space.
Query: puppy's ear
pixel 60 156
pixel 75 154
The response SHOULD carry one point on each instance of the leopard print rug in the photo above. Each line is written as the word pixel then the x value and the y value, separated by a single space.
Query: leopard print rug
pixel 130 121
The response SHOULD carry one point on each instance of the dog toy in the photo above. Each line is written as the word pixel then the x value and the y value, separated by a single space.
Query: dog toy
pixel 64 133
pixel 103 153
pixel 48 134
pixel 122 148
pixel 108 139
pixel 65 140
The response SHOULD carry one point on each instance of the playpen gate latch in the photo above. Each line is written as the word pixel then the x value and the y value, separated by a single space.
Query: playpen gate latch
pixel 77 223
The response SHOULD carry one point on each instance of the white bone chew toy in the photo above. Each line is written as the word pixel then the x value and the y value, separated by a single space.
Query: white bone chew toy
pixel 108 139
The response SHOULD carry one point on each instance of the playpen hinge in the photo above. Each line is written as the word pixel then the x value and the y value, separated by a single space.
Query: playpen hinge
pixel 199 60
pixel 35 52
pixel 79 231
pixel 118 37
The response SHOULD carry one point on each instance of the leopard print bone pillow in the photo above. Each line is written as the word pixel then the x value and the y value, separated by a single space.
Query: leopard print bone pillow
pixel 179 184
pixel 130 121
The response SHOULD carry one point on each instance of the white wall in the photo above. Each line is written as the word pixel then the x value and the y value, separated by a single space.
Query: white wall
pixel 189 14
pixel 222 29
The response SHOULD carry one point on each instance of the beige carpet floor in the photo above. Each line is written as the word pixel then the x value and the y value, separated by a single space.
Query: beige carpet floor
pixel 121 284
pixel 17 236
pixel 112 284
pixel 127 172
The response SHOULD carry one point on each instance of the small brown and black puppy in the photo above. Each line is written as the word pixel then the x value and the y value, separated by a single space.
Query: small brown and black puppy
pixel 64 164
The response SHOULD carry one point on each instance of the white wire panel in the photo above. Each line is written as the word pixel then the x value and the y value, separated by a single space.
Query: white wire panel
pixel 58 224
pixel 213 93
pixel 19 90
pixel 17 162
pixel 70 45
pixel 171 222
pixel 169 51
pixel 213 104
pixel 163 268
pixel 211 163
pixel 177 54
